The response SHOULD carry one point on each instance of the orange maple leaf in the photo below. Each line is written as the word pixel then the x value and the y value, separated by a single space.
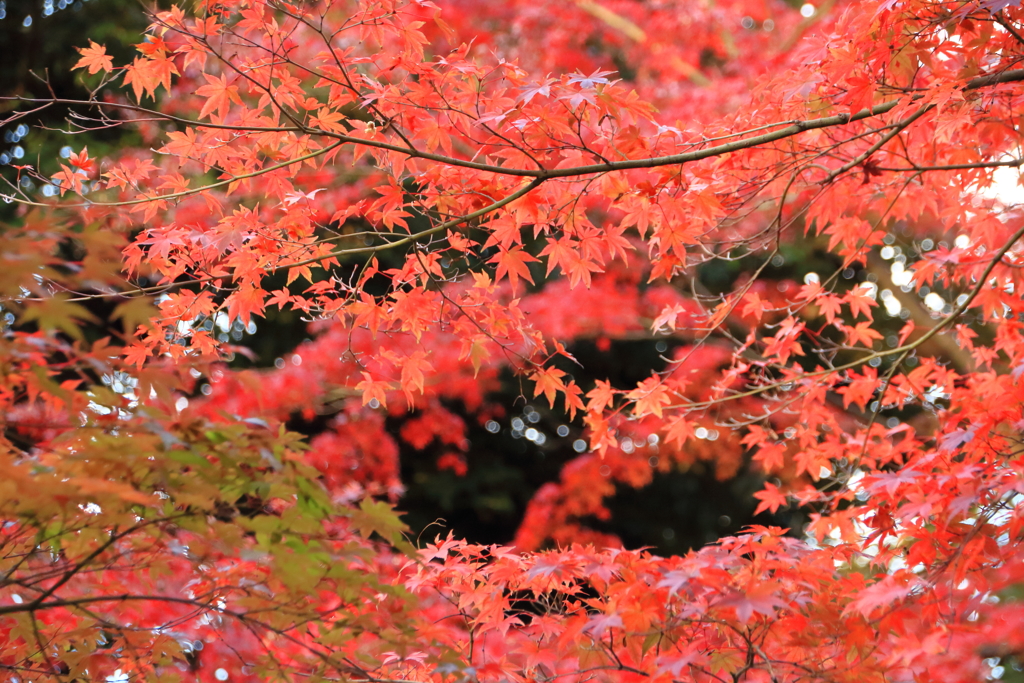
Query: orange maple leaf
pixel 651 396
pixel 771 455
pixel 81 160
pixel 181 144
pixel 754 306
pixel 94 57
pixel 512 262
pixel 329 120
pixel 601 396
pixel 219 96
pixel 860 390
pixel 413 368
pixel 861 301
pixel 561 252
pixel 771 499
pixel 861 333
pixel 573 402
pixel 146 75
pixel 373 389
pixel 368 313
pixel 829 306
pixel 549 382
pixel 245 301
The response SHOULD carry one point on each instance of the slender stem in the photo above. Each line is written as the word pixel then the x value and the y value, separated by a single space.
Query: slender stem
pixel 796 128
pixel 906 348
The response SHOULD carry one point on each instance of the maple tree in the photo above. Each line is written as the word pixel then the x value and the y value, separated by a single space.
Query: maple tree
pixel 454 194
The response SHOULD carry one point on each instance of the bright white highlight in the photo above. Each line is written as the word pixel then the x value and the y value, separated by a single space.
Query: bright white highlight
pixel 901 277
pixel 934 302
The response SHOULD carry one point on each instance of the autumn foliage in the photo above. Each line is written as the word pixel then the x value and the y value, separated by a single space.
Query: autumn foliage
pixel 452 195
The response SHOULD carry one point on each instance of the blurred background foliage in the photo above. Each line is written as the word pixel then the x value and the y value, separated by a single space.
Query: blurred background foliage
pixel 677 511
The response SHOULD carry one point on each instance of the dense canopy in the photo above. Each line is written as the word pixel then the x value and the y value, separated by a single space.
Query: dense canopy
pixel 796 224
